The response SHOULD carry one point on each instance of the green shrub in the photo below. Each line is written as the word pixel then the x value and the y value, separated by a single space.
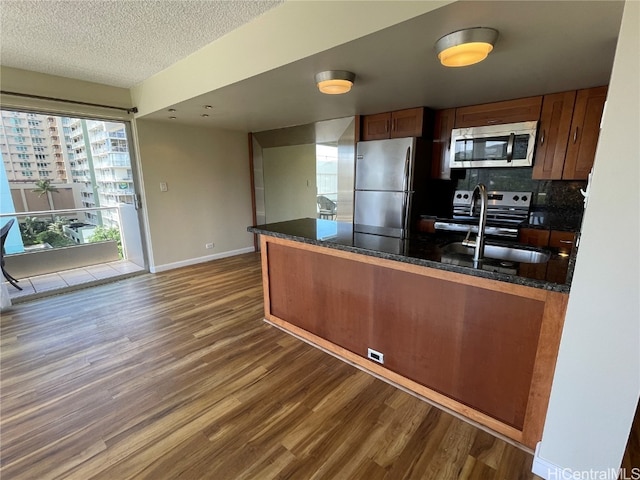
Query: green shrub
pixel 54 239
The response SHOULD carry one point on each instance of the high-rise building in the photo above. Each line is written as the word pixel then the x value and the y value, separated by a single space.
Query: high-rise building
pixel 33 147
pixel 94 154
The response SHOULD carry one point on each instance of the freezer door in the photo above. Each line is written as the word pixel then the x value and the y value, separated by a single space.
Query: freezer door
pixel 381 213
pixel 385 164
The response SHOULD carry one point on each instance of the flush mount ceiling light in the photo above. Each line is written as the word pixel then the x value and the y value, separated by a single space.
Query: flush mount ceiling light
pixel 335 82
pixel 466 47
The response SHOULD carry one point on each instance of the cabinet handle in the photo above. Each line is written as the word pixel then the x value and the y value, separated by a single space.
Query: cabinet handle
pixel 566 241
pixel 393 124
pixel 386 126
pixel 575 135
pixel 542 138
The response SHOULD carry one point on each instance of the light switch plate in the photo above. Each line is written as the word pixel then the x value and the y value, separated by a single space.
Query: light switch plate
pixel 163 187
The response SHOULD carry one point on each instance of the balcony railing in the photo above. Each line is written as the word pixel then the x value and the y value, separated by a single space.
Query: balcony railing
pixel 48 241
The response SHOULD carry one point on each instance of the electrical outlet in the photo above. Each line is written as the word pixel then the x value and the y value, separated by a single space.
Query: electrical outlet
pixel 209 245
pixel 164 187
pixel 375 356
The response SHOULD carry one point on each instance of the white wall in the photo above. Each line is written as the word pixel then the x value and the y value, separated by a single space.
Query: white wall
pixel 34 83
pixel 208 197
pixel 597 380
pixel 289 32
pixel 289 182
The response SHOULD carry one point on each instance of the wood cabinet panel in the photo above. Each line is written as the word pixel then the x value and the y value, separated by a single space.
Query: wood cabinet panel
pixel 474 345
pixel 563 241
pixel 376 127
pixel 408 123
pixel 520 110
pixel 553 135
pixel 412 122
pixel 585 130
pixel 443 123
pixel 533 236
pixel 305 291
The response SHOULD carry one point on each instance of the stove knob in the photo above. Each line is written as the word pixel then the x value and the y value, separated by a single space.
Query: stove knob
pixel 466 195
pixel 524 198
pixel 516 198
pixel 459 195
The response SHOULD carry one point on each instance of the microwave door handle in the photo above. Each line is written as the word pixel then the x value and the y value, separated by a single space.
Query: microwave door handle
pixel 512 139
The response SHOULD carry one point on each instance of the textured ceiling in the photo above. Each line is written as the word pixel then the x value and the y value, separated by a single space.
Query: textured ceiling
pixel 117 42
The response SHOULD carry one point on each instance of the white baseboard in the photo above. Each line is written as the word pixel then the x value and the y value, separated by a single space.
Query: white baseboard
pixel 547 470
pixel 194 261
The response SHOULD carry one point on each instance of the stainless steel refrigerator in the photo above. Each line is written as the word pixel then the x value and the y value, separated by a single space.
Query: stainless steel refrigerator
pixel 390 177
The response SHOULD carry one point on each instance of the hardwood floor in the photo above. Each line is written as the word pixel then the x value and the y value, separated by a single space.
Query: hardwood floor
pixel 175 375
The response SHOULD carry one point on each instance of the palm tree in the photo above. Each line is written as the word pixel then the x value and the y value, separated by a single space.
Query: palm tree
pixel 44 187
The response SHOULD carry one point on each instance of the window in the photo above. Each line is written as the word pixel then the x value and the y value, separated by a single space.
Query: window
pixel 27 173
pixel 44 173
pixel 38 140
pixel 42 164
pixel 20 139
pixel 21 148
pixel 25 165
pixel 17 130
pixel 38 149
pixel 40 156
pixel 118 145
pixel 23 156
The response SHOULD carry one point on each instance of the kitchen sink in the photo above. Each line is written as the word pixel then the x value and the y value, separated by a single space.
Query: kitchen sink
pixel 502 253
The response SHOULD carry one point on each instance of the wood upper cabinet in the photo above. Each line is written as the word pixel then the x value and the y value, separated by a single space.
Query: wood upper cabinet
pixel 510 111
pixel 413 122
pixel 585 130
pixel 553 133
pixel 442 125
pixel 568 134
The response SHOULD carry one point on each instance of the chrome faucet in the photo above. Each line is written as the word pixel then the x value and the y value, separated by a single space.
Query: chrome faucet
pixel 480 192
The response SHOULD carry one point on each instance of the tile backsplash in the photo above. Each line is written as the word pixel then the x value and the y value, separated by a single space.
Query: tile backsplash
pixel 554 203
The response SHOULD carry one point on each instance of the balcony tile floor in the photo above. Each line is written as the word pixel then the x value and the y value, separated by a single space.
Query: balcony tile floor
pixel 33 286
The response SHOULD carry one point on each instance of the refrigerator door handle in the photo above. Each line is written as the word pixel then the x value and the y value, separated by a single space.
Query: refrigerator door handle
pixel 406 204
pixel 407 161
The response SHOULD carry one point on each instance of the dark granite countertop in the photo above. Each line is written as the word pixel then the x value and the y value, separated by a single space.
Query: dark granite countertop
pixel 425 249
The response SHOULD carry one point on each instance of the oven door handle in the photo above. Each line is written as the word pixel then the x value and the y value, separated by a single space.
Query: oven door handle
pixel 512 138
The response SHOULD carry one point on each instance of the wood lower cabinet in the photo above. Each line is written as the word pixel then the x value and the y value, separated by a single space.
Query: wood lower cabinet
pixel 485 349
pixel 555 270
pixel 534 237
pixel 441 148
pixel 413 122
pixel 509 111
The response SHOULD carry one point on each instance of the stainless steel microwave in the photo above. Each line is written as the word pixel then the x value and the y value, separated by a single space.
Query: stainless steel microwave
pixel 506 145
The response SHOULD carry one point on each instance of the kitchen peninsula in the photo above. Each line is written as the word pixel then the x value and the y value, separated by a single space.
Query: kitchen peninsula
pixel 481 342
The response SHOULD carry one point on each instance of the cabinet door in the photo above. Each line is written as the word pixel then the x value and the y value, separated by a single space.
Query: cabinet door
pixel 553 135
pixel 534 237
pixel 443 124
pixel 407 123
pixel 510 111
pixel 376 127
pixel 563 241
pixel 585 130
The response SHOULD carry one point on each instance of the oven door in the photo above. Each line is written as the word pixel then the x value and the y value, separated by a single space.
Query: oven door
pixel 509 145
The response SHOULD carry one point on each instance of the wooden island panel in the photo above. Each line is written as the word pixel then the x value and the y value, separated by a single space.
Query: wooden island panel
pixel 471 344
